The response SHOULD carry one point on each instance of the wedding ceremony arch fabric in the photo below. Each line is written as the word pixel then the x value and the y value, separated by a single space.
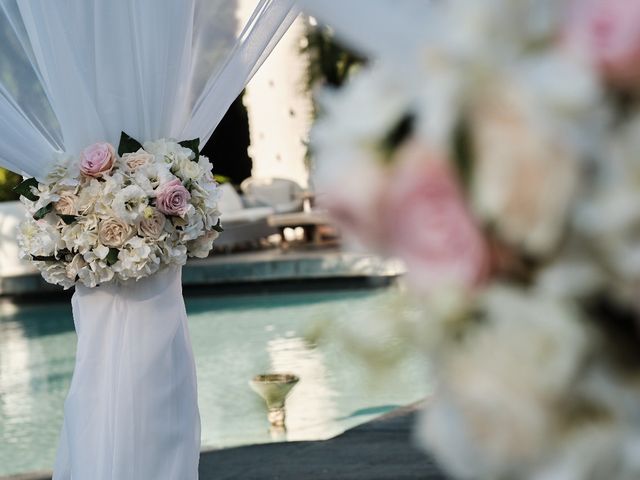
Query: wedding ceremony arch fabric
pixel 75 72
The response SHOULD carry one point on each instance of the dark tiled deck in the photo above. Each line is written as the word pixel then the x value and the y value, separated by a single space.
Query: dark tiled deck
pixel 378 450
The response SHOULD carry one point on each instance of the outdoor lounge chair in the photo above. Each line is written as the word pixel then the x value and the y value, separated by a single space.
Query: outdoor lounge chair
pixel 281 194
pixel 11 214
pixel 242 225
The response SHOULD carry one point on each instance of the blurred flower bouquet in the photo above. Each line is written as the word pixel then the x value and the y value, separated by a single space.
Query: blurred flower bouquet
pixel 115 216
pixel 503 165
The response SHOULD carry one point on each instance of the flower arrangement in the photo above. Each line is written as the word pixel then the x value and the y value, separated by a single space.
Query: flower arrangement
pixel 503 166
pixel 112 216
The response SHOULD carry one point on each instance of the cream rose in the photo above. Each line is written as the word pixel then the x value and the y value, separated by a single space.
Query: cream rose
pixel 524 177
pixel 138 159
pixel 113 232
pixel 152 225
pixel 68 204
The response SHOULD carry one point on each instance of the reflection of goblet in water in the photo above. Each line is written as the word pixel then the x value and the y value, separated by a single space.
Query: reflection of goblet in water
pixel 274 388
pixel 311 408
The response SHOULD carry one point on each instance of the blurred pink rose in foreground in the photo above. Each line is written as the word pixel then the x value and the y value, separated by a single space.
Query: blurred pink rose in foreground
pixel 428 224
pixel 97 159
pixel 608 32
pixel 172 198
pixel 413 209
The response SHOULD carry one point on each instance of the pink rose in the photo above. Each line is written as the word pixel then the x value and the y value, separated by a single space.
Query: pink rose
pixel 172 198
pixel 428 224
pixel 608 32
pixel 97 160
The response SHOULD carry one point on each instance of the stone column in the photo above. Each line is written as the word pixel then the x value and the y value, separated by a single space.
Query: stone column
pixel 280 110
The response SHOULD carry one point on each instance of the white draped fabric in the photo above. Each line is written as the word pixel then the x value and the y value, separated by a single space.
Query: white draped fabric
pixel 131 412
pixel 75 72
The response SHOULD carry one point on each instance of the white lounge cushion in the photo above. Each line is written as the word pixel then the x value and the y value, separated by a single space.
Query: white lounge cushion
pixel 229 201
pixel 11 214
pixel 247 215
pixel 282 194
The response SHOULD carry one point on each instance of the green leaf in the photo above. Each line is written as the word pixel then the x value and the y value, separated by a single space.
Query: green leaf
pixel 128 144
pixel 112 256
pixel 193 145
pixel 38 258
pixel 24 189
pixel 220 179
pixel 68 219
pixel 402 130
pixel 218 228
pixel 40 214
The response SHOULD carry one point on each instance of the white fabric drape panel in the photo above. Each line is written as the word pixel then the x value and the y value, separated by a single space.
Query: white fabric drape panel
pixel 153 68
pixel 210 106
pixel 74 72
pixel 131 412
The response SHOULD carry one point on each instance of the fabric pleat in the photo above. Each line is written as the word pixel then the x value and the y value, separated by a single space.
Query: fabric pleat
pixel 131 412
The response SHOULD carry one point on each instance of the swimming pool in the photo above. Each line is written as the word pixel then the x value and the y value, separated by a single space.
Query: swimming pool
pixel 234 338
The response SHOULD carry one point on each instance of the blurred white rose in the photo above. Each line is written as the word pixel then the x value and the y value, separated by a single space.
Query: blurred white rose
pixel 495 410
pixel 524 179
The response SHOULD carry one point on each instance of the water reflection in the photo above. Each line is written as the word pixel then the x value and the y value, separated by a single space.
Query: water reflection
pixel 15 378
pixel 311 406
pixel 234 339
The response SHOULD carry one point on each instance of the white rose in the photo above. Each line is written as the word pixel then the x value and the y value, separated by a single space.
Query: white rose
pixel 188 169
pixel 134 161
pixel 113 232
pixel 497 409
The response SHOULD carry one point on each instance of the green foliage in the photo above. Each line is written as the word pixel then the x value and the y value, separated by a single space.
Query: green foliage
pixel 8 181
pixel 128 144
pixel 193 145
pixel 329 62
pixel 112 256
pixel 220 179
pixel 43 212
pixel 28 188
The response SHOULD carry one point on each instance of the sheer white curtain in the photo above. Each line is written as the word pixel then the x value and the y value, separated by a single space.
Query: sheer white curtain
pixel 74 72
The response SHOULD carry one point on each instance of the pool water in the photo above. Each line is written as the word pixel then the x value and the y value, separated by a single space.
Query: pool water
pixel 234 338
